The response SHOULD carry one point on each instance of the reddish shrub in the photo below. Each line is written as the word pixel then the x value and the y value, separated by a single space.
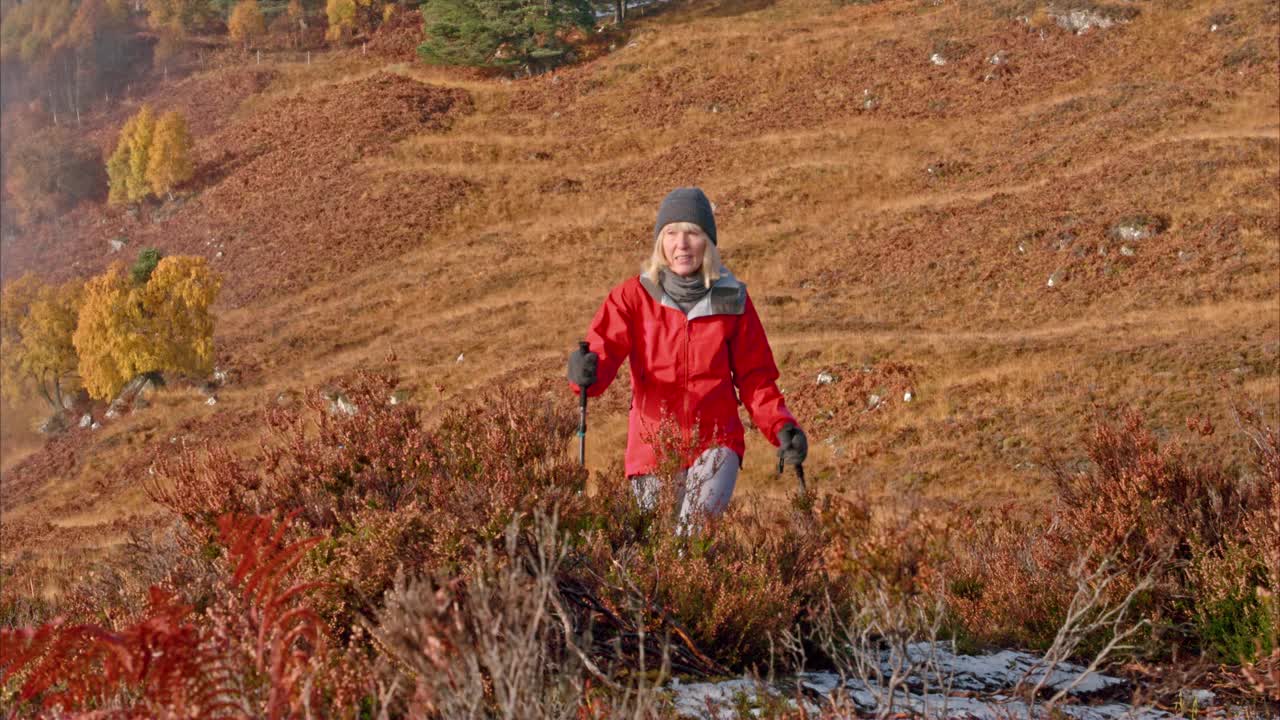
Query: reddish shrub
pixel 1008 580
pixel 380 489
pixel 1207 529
pixel 251 655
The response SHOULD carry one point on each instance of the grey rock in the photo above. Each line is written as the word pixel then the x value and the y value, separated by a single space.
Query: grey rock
pixel 339 404
pixel 1058 277
pixel 213 400
pixel 1127 251
pixel 1083 19
pixel 136 394
pixel 53 425
pixel 221 375
pixel 72 400
pixel 86 420
pixel 874 401
pixel 826 378
pixel 1139 227
pixel 937 59
pixel 117 408
pixel 287 398
pixel 117 243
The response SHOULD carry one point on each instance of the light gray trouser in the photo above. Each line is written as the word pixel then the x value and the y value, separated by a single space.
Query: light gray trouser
pixel 705 487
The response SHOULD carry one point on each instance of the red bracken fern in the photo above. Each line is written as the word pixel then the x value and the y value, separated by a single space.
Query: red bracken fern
pixel 289 632
pixel 74 666
pixel 252 656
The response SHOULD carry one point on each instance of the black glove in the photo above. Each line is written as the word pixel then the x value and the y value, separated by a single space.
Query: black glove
pixel 582 367
pixel 793 446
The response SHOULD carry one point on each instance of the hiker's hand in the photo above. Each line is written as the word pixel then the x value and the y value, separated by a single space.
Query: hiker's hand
pixel 793 446
pixel 582 367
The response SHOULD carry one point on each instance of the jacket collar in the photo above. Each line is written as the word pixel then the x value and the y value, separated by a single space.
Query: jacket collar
pixel 728 296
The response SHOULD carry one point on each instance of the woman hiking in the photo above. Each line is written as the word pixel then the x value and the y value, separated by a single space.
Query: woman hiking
pixel 697 350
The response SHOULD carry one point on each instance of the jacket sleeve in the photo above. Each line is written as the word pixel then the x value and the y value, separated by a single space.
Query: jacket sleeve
pixel 756 375
pixel 609 337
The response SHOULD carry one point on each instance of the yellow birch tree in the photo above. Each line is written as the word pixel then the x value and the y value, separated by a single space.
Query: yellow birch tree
pixel 246 22
pixel 178 298
pixel 110 349
pixel 118 166
pixel 342 19
pixel 140 154
pixel 36 326
pixel 125 329
pixel 347 16
pixel 169 163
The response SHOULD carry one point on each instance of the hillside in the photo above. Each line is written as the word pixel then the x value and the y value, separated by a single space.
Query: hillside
pixel 897 182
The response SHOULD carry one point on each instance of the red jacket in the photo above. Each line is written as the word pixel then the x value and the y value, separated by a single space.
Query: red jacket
pixel 692 369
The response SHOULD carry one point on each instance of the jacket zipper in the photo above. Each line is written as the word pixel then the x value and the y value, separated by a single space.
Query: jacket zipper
pixel 688 390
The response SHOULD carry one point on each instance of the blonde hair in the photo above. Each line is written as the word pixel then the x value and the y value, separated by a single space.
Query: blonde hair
pixel 657 262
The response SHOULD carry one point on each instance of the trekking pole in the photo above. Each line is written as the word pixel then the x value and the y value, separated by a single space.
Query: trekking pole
pixel 799 475
pixel 582 412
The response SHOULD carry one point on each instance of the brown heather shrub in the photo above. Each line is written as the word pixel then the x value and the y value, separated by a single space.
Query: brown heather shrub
pixel 258 651
pixel 901 550
pixel 1148 504
pixel 114 594
pixel 1209 532
pixel 380 489
pixel 460 569
pixel 1007 584
pixel 388 496
pixel 1142 500
pixel 732 587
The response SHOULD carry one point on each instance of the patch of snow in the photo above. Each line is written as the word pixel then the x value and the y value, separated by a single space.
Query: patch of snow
pixel 979 688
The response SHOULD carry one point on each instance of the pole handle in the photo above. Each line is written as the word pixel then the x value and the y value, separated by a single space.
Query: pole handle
pixel 584 347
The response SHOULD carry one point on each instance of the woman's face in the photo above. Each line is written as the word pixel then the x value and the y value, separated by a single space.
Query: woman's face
pixel 683 249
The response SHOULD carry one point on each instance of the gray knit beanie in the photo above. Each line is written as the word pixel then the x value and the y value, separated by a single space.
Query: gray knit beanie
pixel 686 205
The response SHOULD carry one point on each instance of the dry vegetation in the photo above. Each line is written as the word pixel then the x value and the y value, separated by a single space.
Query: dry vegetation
pixel 898 223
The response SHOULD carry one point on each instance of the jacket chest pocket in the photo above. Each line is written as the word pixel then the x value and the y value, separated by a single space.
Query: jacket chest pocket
pixel 709 346
pixel 657 351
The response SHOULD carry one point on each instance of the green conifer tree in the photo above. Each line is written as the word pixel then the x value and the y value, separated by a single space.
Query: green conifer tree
pixel 500 33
